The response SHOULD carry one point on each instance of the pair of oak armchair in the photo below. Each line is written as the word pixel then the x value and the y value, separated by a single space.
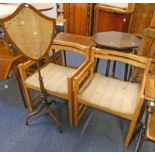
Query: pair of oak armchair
pixel 32 34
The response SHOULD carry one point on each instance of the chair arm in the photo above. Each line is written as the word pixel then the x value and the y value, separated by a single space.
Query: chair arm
pixel 150 88
pixel 77 72
pixel 150 92
pixel 82 77
pixel 27 64
pixel 71 85
pixel 23 67
pixel 79 69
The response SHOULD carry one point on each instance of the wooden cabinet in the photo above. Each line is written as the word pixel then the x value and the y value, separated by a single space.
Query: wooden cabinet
pixel 111 18
pixel 135 18
pixel 141 19
pixel 80 17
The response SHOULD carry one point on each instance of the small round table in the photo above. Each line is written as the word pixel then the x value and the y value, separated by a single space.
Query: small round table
pixel 119 41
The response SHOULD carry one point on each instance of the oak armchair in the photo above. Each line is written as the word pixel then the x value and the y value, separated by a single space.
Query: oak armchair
pixel 58 79
pixel 114 96
pixel 32 34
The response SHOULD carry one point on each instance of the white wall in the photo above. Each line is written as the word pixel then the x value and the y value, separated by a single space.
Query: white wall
pixel 51 13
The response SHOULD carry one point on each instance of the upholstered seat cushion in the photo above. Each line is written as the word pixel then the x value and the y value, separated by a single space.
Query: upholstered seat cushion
pixel 111 95
pixel 54 77
pixel 150 133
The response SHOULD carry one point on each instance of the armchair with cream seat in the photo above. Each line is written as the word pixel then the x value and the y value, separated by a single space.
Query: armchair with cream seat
pixel 58 80
pixel 32 34
pixel 107 94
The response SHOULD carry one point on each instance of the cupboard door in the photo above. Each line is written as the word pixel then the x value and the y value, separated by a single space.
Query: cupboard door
pixel 80 18
pixel 111 20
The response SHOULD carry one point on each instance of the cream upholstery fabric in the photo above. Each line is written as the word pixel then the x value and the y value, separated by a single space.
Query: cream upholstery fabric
pixel 110 94
pixel 54 77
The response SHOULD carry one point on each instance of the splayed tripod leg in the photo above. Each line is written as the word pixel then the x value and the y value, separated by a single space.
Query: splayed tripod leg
pixel 51 114
pixel 34 113
pixel 54 118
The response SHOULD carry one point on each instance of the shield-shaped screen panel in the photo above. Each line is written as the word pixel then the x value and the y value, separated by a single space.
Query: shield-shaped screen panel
pixel 31 33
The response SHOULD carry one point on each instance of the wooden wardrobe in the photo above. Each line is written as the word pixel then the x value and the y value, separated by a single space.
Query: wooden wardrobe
pixel 80 17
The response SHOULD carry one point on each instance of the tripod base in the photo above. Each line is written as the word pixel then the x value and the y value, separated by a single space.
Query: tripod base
pixel 50 112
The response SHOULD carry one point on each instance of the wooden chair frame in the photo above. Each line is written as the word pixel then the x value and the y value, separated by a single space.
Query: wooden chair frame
pixel 88 73
pixel 146 49
pixel 76 48
pixel 146 124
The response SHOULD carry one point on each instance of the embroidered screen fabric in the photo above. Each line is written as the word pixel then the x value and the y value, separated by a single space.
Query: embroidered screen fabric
pixel 30 32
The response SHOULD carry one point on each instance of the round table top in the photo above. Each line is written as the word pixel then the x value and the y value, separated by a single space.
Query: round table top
pixel 116 40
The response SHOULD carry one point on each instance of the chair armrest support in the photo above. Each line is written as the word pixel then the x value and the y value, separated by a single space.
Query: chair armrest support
pixel 80 69
pixel 150 88
pixel 23 67
pixel 77 72
pixel 150 93
pixel 81 78
pixel 27 64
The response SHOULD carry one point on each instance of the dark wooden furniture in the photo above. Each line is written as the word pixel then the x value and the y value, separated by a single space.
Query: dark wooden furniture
pixel 147 47
pixel 146 128
pixel 63 39
pixel 141 18
pixel 80 17
pixel 111 19
pixel 116 40
pixel 9 63
pixel 67 39
pixel 119 41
